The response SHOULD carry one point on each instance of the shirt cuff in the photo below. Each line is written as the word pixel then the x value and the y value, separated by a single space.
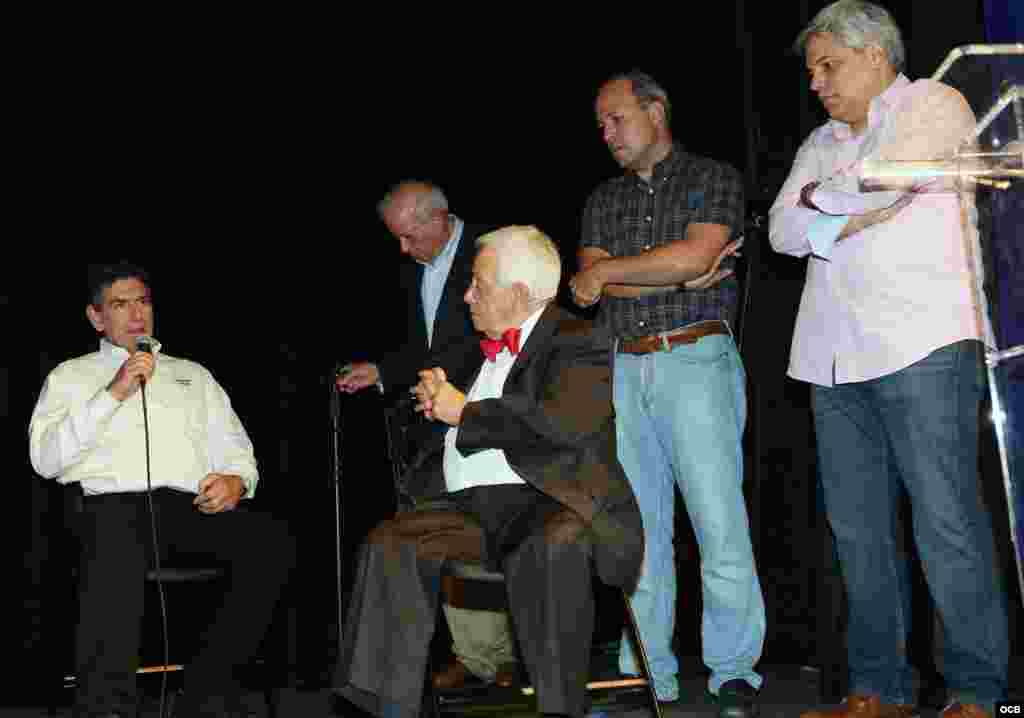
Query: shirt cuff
pixel 824 232
pixel 834 201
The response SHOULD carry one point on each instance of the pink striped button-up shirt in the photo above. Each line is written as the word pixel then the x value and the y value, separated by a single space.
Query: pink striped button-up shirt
pixel 886 297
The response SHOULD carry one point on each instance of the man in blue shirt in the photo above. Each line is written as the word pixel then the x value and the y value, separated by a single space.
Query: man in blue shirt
pixel 650 237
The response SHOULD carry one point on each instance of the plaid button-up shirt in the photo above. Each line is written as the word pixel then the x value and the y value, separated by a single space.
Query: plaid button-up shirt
pixel 627 216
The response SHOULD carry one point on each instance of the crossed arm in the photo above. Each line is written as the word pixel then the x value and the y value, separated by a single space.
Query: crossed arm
pixel 691 264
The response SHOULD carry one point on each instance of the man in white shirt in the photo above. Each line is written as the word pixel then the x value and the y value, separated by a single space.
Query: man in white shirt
pixel 888 336
pixel 129 424
pixel 525 481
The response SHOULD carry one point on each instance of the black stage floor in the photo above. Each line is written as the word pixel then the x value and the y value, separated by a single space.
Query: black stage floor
pixel 788 690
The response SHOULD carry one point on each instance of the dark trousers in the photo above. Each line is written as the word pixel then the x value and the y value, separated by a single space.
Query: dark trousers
pixel 544 550
pixel 116 541
pixel 915 430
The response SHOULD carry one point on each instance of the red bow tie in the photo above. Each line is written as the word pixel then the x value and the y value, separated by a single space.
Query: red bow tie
pixel 492 347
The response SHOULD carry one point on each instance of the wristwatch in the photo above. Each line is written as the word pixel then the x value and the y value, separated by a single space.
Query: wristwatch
pixel 805 196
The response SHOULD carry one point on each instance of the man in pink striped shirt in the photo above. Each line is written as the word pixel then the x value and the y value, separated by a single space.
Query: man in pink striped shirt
pixel 888 335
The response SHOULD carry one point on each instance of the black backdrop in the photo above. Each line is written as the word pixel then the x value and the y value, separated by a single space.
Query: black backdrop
pixel 240 158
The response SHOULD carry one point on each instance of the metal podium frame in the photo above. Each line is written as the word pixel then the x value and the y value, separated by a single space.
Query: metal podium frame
pixel 976 171
pixel 992 163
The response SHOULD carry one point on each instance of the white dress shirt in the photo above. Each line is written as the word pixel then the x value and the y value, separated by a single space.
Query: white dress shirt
pixel 435 277
pixel 886 297
pixel 488 467
pixel 80 432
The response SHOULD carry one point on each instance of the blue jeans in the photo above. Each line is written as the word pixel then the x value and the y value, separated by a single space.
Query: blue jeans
pixel 679 422
pixel 915 429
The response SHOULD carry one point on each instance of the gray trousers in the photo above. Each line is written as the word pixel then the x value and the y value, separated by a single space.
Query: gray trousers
pixel 544 550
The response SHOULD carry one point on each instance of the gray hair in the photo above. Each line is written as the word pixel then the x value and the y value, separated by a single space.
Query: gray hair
pixel 858 24
pixel 527 255
pixel 646 90
pixel 429 198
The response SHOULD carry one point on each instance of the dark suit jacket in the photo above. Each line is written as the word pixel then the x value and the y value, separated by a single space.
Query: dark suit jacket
pixel 455 347
pixel 556 425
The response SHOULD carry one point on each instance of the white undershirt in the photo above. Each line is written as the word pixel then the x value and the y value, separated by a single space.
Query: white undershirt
pixel 488 467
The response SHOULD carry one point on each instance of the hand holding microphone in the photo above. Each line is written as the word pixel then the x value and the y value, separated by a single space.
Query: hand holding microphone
pixel 136 371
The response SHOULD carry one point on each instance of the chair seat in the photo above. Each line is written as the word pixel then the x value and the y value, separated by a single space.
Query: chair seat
pixel 184 575
pixel 474 572
pixel 471 586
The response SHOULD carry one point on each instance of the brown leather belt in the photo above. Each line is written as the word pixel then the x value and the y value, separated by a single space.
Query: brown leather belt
pixel 664 342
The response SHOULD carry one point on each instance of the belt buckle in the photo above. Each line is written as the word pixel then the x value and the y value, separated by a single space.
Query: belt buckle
pixel 665 344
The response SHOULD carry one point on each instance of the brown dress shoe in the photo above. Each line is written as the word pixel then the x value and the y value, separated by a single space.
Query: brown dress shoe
pixel 964 710
pixel 507 675
pixel 453 677
pixel 856 706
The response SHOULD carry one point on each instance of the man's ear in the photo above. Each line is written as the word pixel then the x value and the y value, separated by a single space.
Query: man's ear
pixel 878 55
pixel 657 111
pixel 522 293
pixel 437 214
pixel 95 318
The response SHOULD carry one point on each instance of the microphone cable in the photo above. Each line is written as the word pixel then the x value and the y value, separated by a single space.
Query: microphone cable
pixel 156 558
pixel 337 424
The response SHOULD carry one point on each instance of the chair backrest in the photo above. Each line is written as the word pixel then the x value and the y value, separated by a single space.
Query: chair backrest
pixel 70 508
pixel 397 420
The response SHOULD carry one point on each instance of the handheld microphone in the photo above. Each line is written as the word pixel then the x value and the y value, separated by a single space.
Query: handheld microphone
pixel 144 343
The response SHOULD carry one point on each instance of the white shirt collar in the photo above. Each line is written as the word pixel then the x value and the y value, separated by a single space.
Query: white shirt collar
pixel 527 326
pixel 525 329
pixel 449 246
pixel 887 100
pixel 112 351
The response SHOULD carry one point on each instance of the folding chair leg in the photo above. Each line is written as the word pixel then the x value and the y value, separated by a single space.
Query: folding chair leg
pixel 271 696
pixel 431 703
pixel 640 652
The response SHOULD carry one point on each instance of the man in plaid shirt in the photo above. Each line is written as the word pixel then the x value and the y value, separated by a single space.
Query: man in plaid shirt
pixel 651 241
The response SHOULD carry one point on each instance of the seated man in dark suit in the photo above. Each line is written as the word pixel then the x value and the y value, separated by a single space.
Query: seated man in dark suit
pixel 197 464
pixel 525 481
pixel 437 331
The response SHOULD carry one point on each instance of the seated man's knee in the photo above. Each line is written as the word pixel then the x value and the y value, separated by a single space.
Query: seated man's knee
pixel 383 534
pixel 565 527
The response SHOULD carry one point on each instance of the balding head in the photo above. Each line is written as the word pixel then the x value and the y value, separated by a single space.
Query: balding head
pixel 423 198
pixel 527 255
pixel 416 214
pixel 516 271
